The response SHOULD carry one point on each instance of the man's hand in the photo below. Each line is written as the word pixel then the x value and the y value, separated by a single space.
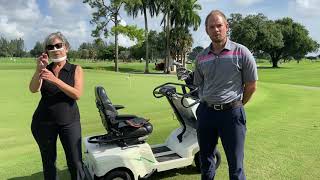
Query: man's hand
pixel 249 89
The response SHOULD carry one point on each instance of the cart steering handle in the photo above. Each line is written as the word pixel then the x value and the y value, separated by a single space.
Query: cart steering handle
pixel 158 94
pixel 189 95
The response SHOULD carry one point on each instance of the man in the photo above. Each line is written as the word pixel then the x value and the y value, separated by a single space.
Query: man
pixel 226 75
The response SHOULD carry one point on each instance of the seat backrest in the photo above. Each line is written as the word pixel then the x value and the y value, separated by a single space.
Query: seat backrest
pixel 107 111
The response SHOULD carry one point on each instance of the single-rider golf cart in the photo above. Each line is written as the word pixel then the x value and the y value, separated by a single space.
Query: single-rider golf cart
pixel 123 152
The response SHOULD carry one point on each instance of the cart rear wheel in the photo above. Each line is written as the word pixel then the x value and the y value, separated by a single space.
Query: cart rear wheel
pixel 118 175
pixel 217 159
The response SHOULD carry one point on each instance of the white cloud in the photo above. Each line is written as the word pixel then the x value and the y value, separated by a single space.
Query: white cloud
pixel 123 22
pixel 29 13
pixel 63 4
pixel 204 2
pixel 306 12
pixel 26 19
pixel 79 34
pixel 9 30
pixel 308 8
pixel 21 11
pixel 23 18
pixel 18 18
pixel 125 41
pixel 247 2
pixel 153 24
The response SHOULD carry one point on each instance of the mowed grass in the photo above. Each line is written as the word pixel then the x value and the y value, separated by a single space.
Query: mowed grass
pixel 283 125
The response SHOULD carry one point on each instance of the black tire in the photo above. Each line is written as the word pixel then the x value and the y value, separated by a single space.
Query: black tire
pixel 198 162
pixel 117 175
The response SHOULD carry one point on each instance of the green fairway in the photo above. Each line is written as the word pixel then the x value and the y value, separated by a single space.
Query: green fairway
pixel 283 119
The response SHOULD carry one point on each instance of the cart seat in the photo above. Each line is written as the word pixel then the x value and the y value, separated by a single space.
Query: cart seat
pixel 121 126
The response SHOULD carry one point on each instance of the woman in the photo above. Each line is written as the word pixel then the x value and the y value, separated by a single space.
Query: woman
pixel 61 84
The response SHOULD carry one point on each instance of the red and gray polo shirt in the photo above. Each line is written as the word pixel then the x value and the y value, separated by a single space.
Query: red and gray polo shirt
pixel 220 77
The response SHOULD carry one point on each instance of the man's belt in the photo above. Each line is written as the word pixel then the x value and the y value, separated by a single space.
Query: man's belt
pixel 223 107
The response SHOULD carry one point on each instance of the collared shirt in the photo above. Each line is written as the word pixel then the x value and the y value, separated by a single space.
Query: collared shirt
pixel 55 106
pixel 220 77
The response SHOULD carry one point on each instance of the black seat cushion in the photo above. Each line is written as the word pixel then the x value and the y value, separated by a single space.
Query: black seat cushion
pixel 124 125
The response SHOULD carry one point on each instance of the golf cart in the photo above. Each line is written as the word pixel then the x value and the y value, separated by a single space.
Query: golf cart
pixel 123 152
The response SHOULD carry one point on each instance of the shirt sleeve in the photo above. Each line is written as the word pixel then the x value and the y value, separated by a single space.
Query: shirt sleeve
pixel 249 66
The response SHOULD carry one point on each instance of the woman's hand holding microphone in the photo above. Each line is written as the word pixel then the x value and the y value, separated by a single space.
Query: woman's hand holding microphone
pixel 44 73
pixel 42 62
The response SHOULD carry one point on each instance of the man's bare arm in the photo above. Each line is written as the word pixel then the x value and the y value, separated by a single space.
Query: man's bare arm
pixel 249 89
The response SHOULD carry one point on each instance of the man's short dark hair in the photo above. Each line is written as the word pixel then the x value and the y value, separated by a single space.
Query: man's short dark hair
pixel 215 12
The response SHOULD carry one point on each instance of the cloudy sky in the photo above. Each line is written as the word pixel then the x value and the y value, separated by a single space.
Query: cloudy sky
pixel 32 20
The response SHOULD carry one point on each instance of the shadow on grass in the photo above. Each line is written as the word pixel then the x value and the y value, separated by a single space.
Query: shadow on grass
pixel 111 68
pixel 190 170
pixel 63 175
pixel 11 67
pixel 270 67
pixel 121 69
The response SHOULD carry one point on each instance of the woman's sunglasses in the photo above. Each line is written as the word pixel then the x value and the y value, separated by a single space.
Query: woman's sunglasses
pixel 54 46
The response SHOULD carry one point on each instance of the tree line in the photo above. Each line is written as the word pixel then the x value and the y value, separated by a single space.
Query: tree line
pixel 269 39
pixel 99 50
pixel 96 50
pixel 12 48
pixel 177 17
pixel 273 39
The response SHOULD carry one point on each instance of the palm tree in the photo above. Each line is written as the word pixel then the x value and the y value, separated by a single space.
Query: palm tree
pixel 179 14
pixel 186 18
pixel 165 7
pixel 190 16
pixel 181 43
pixel 142 6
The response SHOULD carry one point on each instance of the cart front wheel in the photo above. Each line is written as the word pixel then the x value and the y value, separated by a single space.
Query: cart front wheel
pixel 118 175
pixel 217 159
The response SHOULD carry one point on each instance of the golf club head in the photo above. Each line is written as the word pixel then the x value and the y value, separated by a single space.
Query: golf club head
pixel 182 72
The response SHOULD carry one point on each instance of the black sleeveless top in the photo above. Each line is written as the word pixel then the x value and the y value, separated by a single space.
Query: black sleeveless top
pixel 55 106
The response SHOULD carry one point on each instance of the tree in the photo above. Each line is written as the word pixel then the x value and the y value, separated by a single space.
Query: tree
pixel 249 28
pixel 194 53
pixel 84 53
pixel 178 13
pixel 87 51
pixel 180 44
pixel 13 48
pixel 106 12
pixel 152 42
pixel 4 47
pixel 16 47
pixel 157 45
pixel 270 40
pixel 297 42
pixel 138 51
pixel 103 15
pixel 280 39
pixel 187 16
pixel 85 45
pixel 99 46
pixel 73 55
pixel 133 32
pixel 142 6
pixel 37 49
